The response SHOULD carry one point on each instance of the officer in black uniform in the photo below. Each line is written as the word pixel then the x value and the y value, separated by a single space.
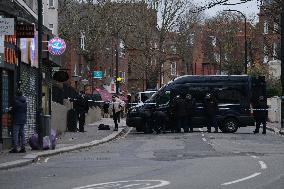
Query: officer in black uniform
pixel 211 108
pixel 260 114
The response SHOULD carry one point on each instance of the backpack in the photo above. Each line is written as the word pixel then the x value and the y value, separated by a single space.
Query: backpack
pixel 103 127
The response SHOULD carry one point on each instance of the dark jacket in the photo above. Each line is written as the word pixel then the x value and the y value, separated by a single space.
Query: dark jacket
pixel 260 110
pixel 210 107
pixel 190 104
pixel 179 107
pixel 81 105
pixel 19 110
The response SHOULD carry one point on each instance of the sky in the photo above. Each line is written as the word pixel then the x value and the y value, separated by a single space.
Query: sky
pixel 249 8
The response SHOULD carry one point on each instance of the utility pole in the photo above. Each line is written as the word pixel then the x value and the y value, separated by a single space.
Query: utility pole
pixel 39 93
pixel 116 63
pixel 282 66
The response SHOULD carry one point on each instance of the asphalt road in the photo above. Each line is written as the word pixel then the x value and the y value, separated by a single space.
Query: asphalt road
pixel 170 161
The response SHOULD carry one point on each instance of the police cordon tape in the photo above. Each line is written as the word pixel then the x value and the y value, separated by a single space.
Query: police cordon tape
pixel 220 106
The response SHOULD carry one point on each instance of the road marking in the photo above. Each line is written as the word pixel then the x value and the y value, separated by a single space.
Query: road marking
pixel 204 139
pixel 131 184
pixel 242 179
pixel 255 157
pixel 45 161
pixel 262 165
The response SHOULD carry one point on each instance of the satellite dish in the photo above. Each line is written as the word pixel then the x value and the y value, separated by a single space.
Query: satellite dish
pixel 60 76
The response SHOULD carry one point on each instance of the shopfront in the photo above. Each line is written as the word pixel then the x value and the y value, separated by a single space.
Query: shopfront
pixel 8 61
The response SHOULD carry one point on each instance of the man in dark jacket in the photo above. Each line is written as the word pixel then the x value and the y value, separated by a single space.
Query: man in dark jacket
pixel 211 107
pixel 19 113
pixel 260 114
pixel 190 104
pixel 180 112
pixel 81 107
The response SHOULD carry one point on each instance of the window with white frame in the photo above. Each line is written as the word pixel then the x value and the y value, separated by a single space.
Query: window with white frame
pixel 275 27
pixel 155 45
pixel 265 27
pixel 173 68
pixel 274 51
pixel 265 58
pixel 174 49
pixel 82 40
pixel 43 13
pixel 50 26
pixel 51 3
pixel 190 39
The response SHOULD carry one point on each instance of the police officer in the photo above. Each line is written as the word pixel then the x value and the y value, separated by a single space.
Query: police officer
pixel 260 114
pixel 180 112
pixel 211 107
pixel 190 104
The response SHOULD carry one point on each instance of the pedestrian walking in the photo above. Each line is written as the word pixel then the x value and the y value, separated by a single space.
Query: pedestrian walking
pixel 190 104
pixel 211 108
pixel 19 113
pixel 106 109
pixel 260 114
pixel 81 107
pixel 180 112
pixel 116 105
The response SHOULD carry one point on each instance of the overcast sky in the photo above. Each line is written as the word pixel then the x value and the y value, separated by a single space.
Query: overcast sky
pixel 248 8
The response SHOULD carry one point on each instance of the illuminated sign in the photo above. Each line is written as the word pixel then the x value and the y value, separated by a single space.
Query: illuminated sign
pixel 56 46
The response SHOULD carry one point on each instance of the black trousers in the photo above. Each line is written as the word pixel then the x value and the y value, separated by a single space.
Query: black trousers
pixel 81 118
pixel 258 122
pixel 115 119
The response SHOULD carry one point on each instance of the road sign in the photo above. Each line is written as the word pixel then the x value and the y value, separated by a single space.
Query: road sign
pixel 56 46
pixel 97 74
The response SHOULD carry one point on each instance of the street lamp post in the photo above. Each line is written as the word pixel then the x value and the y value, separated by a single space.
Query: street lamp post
pixel 246 60
pixel 39 93
pixel 116 63
pixel 282 67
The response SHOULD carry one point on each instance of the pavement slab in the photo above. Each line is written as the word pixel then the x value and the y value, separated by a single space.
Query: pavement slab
pixel 66 142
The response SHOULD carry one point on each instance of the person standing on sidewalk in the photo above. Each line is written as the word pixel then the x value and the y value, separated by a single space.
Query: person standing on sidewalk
pixel 81 107
pixel 260 114
pixel 19 113
pixel 211 108
pixel 190 105
pixel 116 105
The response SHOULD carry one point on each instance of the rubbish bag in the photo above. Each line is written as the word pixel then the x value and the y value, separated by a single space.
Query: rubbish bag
pixel 33 142
pixel 46 143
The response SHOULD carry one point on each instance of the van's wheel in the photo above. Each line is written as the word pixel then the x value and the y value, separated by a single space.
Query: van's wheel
pixel 230 125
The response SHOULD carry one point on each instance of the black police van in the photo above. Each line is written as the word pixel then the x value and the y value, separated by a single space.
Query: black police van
pixel 235 95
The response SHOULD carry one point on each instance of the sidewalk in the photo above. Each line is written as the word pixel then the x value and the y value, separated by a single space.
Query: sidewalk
pixel 68 141
pixel 275 127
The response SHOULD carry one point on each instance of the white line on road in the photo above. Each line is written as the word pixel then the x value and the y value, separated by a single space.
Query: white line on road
pixel 240 180
pixel 45 161
pixel 262 165
pixel 204 139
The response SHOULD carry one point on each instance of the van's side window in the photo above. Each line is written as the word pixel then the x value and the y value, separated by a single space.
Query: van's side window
pixel 229 96
pixel 164 98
